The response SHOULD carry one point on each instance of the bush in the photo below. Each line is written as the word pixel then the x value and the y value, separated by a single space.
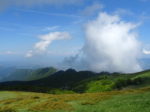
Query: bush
pixel 120 83
pixel 138 81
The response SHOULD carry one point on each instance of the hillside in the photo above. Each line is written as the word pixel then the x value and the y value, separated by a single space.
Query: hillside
pixel 41 73
pixel 80 82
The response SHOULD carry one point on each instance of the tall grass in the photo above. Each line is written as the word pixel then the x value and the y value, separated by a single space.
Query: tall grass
pixel 114 101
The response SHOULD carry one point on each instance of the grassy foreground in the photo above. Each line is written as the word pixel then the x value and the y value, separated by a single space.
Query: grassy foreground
pixel 115 101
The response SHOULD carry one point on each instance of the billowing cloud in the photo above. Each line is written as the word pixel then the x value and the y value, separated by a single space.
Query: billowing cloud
pixel 146 52
pixel 111 45
pixel 28 3
pixel 46 40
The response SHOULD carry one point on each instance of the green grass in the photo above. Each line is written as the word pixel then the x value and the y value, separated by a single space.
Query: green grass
pixel 121 103
pixel 114 101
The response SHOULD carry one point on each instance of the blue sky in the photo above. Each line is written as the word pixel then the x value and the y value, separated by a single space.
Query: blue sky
pixel 21 24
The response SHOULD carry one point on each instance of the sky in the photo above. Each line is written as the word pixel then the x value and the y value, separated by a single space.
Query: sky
pixel 56 32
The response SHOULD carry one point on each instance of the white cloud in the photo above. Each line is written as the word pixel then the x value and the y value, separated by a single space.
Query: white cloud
pixel 46 40
pixel 111 45
pixel 146 52
pixel 89 10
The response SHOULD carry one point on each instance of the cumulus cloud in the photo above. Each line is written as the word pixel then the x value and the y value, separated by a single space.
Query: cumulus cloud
pixel 111 45
pixel 146 52
pixel 46 40
pixel 6 3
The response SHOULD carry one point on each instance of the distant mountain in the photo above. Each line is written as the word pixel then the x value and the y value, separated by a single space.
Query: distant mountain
pixel 6 72
pixel 27 74
pixel 19 74
pixel 41 73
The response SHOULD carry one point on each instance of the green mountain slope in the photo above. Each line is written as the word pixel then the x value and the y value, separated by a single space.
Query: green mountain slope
pixel 80 82
pixel 41 73
pixel 114 81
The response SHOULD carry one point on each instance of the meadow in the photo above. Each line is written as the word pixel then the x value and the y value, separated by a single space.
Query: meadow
pixel 130 100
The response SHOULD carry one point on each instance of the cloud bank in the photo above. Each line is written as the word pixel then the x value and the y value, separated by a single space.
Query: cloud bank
pixel 111 45
pixel 46 40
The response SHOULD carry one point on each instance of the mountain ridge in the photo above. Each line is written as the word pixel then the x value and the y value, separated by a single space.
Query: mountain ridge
pixel 80 82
